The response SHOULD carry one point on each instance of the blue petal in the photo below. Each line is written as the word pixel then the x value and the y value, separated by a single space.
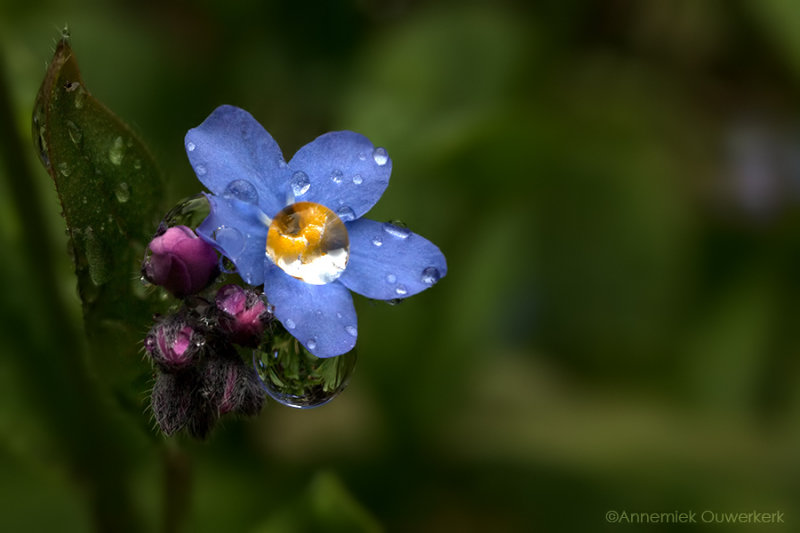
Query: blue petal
pixel 231 145
pixel 346 173
pixel 237 229
pixel 321 317
pixel 388 262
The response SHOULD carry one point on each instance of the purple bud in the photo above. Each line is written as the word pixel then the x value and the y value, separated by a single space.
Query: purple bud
pixel 172 344
pixel 171 401
pixel 243 314
pixel 181 262
pixel 232 386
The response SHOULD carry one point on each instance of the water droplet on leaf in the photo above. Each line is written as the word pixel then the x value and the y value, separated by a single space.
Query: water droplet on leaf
pixel 122 192
pixel 75 133
pixel 117 151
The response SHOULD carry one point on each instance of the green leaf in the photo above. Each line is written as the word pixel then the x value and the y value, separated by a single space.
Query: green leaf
pixel 110 192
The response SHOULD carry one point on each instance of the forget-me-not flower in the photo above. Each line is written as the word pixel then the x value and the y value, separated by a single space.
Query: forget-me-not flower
pixel 296 227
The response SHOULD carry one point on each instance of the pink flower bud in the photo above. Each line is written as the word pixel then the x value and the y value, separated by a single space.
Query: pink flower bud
pixel 180 262
pixel 243 314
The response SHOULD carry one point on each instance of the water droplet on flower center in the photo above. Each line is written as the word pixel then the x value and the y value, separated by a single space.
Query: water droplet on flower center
pixel 309 242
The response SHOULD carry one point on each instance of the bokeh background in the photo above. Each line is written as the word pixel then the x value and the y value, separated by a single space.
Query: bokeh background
pixel 615 184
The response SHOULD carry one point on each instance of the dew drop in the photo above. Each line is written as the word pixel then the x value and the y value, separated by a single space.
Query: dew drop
pixel 351 330
pixel 357 179
pixel 64 169
pixel 137 164
pixel 190 212
pixel 117 151
pixel 241 190
pixel 362 156
pixel 230 240
pixel 290 323
pixel 391 278
pixel 294 377
pixel 380 156
pixel 122 192
pixel 346 214
pixel 401 290
pixel 309 242
pixel 75 133
pixel 430 275
pixel 300 183
pixel 96 257
pixel 312 343
pixel 190 146
pixel 377 241
pixel 200 169
pixel 337 176
pixel 396 231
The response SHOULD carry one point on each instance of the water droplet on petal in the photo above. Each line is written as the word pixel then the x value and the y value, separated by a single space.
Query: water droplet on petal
pixel 122 192
pixel 351 330
pixel 391 278
pixel 190 146
pixel 401 290
pixel 292 376
pixel 337 176
pixel 200 170
pixel 380 156
pixel 377 241
pixel 362 156
pixel 230 240
pixel 241 190
pixel 312 343
pixel 357 179
pixel 308 242
pixel 300 183
pixel 290 323
pixel 346 213
pixel 117 151
pixel 430 275
pixel 396 231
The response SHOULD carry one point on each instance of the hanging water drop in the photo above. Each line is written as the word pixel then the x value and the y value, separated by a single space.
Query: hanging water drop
pixel 241 190
pixel 380 156
pixel 346 213
pixel 294 377
pixel 430 275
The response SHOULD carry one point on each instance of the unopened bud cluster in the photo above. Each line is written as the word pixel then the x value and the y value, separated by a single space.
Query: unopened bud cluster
pixel 199 374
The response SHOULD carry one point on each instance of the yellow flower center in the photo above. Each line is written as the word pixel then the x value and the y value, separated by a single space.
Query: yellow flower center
pixel 309 242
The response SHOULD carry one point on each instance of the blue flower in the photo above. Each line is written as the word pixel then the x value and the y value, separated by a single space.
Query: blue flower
pixel 296 227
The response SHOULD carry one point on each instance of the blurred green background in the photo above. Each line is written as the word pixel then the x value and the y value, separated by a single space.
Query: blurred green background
pixel 615 184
